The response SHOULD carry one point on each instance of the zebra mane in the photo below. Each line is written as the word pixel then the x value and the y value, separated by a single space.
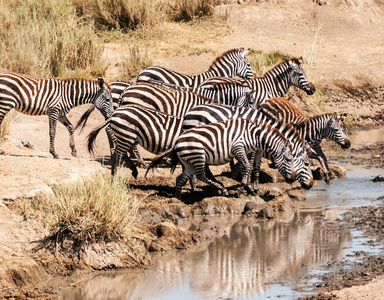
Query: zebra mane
pixel 284 61
pixel 226 53
pixel 82 79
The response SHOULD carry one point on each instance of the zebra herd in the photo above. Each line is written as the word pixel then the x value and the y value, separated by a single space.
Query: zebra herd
pixel 206 119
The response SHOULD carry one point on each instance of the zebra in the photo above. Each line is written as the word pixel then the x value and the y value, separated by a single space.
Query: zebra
pixel 53 97
pixel 212 113
pixel 134 125
pixel 237 94
pixel 229 64
pixel 312 129
pixel 274 83
pixel 118 87
pixel 218 143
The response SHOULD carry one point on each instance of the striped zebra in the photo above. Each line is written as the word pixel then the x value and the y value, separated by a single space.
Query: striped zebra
pixel 313 129
pixel 219 143
pixel 229 64
pixel 134 125
pixel 274 83
pixel 117 88
pixel 212 113
pixel 53 97
pixel 237 94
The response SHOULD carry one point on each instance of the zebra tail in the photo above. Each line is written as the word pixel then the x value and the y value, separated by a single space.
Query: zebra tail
pixel 84 118
pixel 92 137
pixel 157 160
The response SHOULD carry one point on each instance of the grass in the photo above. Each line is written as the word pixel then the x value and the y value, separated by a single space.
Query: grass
pixel 90 210
pixel 261 62
pixel 47 38
pixel 134 62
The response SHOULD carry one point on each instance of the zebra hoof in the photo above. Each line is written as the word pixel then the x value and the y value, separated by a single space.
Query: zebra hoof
pixel 2 152
pixel 74 153
pixel 225 193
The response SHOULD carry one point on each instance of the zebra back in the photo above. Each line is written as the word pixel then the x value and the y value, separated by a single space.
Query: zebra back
pixel 229 64
pixel 236 94
pixel 164 99
pixel 275 82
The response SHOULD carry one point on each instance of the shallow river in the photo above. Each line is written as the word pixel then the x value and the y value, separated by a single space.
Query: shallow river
pixel 252 260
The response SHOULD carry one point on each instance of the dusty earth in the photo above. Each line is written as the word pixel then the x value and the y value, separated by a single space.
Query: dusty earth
pixel 343 45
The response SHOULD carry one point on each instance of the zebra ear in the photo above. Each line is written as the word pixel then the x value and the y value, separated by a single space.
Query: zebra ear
pixel 246 52
pixel 334 116
pixel 101 82
pixel 300 60
pixel 290 62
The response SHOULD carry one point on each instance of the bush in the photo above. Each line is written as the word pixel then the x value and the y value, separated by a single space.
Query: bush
pixel 261 62
pixel 93 209
pixel 187 10
pixel 127 15
pixel 132 64
pixel 45 38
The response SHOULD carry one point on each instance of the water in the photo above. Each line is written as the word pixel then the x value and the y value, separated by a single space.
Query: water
pixel 254 259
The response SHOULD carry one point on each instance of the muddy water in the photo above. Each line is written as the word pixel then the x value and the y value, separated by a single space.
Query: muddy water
pixel 253 259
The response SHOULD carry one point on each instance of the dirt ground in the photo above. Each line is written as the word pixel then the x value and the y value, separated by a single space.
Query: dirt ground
pixel 343 44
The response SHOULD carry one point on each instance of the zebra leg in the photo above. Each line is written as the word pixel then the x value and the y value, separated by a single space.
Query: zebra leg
pixel 256 170
pixel 320 156
pixel 131 165
pixel 111 138
pixel 64 120
pixel 4 109
pixel 187 173
pixel 241 156
pixel 202 176
pixel 211 176
pixel 138 156
pixel 53 115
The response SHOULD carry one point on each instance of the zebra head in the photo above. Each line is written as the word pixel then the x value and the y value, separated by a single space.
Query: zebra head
pixel 284 162
pixel 298 76
pixel 302 165
pixel 336 130
pixel 241 64
pixel 103 100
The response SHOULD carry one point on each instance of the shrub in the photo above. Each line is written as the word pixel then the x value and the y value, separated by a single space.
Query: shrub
pixel 93 209
pixel 261 62
pixel 187 10
pixel 127 15
pixel 45 38
pixel 134 62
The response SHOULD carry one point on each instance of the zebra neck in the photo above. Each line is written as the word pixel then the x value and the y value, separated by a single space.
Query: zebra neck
pixel 314 129
pixel 279 79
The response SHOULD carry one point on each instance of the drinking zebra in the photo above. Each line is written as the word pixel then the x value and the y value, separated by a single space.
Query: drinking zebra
pixel 229 64
pixel 313 129
pixel 53 97
pixel 274 83
pixel 212 113
pixel 134 125
pixel 220 143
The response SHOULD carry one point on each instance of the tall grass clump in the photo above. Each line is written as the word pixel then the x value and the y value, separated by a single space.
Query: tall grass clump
pixel 188 10
pixel 133 63
pixel 261 62
pixel 90 210
pixel 46 38
pixel 128 15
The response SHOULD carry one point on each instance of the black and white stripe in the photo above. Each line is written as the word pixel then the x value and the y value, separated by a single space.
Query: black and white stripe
pixel 274 83
pixel 117 88
pixel 211 113
pixel 53 97
pixel 230 64
pixel 134 125
pixel 313 129
pixel 237 94
pixel 220 143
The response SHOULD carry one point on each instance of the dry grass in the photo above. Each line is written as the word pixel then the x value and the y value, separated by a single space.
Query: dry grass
pixel 90 210
pixel 47 38
pixel 261 62
pixel 134 62
pixel 6 124
pixel 188 10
